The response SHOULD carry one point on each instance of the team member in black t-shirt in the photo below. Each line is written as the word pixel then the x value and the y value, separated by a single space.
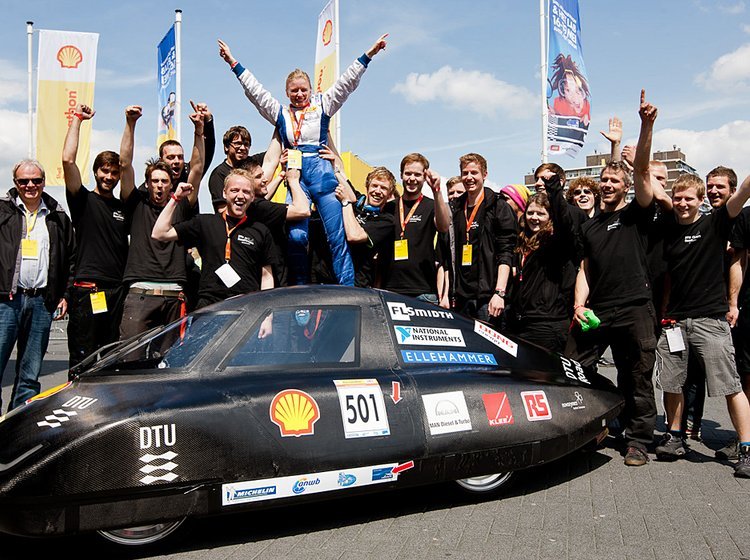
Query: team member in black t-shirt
pixel 613 282
pixel 155 272
pixel 172 153
pixel 237 251
pixel 237 144
pixel 369 230
pixel 694 247
pixel 412 270
pixel 101 229
pixel 485 232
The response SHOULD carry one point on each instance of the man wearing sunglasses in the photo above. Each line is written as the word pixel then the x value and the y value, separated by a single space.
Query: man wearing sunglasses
pixel 37 251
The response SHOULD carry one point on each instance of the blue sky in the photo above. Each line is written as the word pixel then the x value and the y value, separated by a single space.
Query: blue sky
pixel 456 77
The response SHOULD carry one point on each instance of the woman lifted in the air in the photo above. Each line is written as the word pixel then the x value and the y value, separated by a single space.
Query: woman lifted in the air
pixel 303 126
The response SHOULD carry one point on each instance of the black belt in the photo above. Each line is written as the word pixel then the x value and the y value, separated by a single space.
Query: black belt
pixel 31 292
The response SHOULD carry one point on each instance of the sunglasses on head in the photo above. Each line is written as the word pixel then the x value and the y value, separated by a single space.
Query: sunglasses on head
pixel 36 181
pixel 578 192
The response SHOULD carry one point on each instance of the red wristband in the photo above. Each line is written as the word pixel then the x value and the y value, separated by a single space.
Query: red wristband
pixel 79 115
pixel 174 197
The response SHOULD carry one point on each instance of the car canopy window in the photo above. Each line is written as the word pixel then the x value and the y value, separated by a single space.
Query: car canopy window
pixel 294 335
pixel 175 346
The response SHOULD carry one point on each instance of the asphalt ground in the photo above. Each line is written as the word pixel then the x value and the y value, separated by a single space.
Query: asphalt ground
pixel 585 506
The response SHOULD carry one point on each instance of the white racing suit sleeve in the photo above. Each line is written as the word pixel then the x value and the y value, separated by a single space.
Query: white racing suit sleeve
pixel 338 93
pixel 268 106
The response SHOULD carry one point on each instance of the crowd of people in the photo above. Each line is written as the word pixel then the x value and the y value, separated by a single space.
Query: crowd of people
pixel 575 268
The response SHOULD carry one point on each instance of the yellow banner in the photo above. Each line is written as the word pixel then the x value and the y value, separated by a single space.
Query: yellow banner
pixel 66 75
pixel 57 101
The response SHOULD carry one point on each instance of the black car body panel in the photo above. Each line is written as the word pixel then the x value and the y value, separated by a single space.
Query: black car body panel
pixel 351 391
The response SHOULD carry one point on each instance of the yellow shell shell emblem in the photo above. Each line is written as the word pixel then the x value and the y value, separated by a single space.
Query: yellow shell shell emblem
pixel 294 412
pixel 69 56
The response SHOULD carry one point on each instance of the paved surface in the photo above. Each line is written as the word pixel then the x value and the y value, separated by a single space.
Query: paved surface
pixel 587 506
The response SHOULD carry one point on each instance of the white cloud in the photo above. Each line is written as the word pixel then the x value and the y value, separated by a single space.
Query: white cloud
pixel 13 86
pixel 480 92
pixel 728 71
pixel 732 7
pixel 705 149
pixel 746 28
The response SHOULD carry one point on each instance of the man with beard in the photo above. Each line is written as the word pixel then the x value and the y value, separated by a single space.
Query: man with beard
pixel 155 272
pixel 412 269
pixel 485 235
pixel 614 281
pixel 101 228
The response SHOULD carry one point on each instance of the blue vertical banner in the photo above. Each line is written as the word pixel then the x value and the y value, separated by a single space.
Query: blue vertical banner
pixel 568 94
pixel 167 72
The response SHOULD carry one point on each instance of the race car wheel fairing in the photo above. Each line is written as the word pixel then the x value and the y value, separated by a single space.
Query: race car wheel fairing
pixel 147 534
pixel 487 483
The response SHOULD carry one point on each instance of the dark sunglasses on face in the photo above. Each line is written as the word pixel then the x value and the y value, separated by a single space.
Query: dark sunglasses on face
pixel 579 192
pixel 36 181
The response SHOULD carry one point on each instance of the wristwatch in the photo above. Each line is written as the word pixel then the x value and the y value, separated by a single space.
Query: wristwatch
pixel 345 203
pixel 500 293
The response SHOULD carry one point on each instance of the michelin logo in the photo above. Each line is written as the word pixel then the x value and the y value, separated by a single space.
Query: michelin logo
pixel 402 312
pixel 234 494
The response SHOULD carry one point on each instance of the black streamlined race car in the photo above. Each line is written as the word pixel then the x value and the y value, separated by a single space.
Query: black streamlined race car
pixel 286 396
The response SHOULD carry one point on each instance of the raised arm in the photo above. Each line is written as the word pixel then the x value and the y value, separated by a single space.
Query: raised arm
pixel 738 199
pixel 72 174
pixel 127 173
pixel 300 206
pixel 272 156
pixel 209 135
pixel 614 135
pixel 355 233
pixel 163 229
pixel 268 106
pixel 442 213
pixel 644 193
pixel 339 92
pixel 197 157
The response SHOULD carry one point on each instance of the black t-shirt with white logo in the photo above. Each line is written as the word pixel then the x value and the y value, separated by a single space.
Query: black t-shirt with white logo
pixel 695 261
pixel 615 245
pixel 150 260
pixel 251 249
pixel 101 227
pixel 418 274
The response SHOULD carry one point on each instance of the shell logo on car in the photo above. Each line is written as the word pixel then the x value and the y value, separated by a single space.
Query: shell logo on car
pixel 69 56
pixel 294 412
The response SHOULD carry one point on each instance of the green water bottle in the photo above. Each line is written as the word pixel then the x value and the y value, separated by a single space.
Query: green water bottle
pixel 592 321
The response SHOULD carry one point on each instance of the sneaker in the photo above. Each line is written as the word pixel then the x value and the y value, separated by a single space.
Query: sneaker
pixel 670 448
pixel 742 468
pixel 730 452
pixel 635 457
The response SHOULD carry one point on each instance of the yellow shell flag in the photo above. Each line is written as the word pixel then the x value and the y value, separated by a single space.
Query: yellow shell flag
pixel 66 75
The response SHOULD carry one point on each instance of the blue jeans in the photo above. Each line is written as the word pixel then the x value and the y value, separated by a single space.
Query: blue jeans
pixel 319 183
pixel 26 320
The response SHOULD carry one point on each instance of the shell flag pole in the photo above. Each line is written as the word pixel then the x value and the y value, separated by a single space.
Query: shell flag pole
pixel 567 89
pixel 65 78
pixel 327 58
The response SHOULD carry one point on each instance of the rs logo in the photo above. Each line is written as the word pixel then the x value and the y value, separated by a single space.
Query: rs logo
pixel 536 405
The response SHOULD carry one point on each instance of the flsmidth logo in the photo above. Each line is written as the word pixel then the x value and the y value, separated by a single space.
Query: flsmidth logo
pixel 69 56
